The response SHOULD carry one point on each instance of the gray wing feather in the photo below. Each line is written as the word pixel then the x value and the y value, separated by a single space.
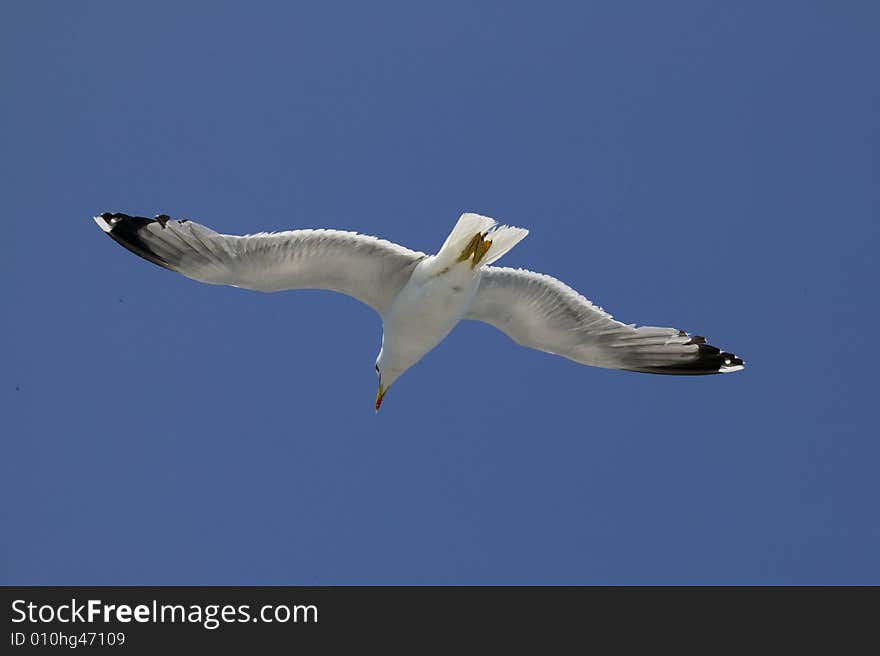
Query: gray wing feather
pixel 543 313
pixel 369 269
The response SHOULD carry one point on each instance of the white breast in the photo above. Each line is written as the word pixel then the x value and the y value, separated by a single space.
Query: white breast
pixel 427 308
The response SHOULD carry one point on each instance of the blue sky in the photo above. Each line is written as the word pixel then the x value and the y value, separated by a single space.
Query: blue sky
pixel 706 165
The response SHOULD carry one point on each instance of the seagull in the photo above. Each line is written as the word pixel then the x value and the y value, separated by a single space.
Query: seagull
pixel 420 297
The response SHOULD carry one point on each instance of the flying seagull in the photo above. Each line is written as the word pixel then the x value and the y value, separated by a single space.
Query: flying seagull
pixel 420 297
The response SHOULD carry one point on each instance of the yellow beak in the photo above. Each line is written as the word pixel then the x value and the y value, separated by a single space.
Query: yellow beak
pixel 380 395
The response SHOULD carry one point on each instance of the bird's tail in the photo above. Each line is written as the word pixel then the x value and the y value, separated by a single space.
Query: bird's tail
pixel 480 240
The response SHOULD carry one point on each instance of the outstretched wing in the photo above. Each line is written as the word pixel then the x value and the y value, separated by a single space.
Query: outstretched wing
pixel 369 269
pixel 543 313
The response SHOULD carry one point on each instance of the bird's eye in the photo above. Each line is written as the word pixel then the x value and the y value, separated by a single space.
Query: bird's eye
pixel 377 368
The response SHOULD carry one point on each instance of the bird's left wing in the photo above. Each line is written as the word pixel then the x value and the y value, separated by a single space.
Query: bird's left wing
pixel 543 313
pixel 369 269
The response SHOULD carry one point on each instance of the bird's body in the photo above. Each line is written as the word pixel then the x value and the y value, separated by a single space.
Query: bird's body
pixel 420 297
pixel 433 301
pixel 439 293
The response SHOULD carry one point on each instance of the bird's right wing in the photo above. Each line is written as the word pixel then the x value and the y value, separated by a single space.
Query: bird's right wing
pixel 369 269
pixel 543 313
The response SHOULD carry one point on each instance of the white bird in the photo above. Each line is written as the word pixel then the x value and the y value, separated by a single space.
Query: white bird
pixel 420 297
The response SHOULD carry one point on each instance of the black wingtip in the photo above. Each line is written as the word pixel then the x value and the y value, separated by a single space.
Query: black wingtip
pixel 710 360
pixel 125 230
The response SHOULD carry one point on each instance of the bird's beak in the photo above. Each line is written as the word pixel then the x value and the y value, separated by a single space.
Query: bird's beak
pixel 380 395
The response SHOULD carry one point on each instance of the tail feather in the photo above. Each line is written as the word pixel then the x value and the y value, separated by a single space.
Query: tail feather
pixel 468 225
pixel 503 239
pixel 499 239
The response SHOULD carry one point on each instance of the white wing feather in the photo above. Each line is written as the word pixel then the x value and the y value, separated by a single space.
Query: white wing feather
pixel 369 269
pixel 543 313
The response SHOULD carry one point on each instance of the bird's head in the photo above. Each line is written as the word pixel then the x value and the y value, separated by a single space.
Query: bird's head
pixel 388 368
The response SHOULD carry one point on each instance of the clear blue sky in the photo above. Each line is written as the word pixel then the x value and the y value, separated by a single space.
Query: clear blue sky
pixel 707 165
